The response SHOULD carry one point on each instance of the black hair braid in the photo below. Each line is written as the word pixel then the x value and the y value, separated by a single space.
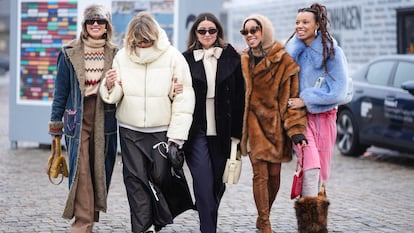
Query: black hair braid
pixel 321 17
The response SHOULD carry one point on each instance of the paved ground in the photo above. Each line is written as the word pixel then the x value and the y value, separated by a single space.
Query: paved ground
pixel 370 194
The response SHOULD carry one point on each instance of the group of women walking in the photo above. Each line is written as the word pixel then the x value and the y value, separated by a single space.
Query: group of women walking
pixel 197 102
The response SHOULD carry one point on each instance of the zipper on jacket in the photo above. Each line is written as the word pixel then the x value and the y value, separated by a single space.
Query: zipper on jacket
pixel 145 95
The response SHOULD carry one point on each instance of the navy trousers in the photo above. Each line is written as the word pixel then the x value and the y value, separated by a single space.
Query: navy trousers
pixel 206 163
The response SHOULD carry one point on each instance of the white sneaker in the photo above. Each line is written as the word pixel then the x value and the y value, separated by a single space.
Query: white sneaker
pixel 151 229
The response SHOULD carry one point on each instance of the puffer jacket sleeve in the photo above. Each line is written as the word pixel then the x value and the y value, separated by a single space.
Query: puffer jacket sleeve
pixel 183 103
pixel 60 96
pixel 113 95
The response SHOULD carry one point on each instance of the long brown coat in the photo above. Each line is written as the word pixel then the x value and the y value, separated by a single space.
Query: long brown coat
pixel 268 123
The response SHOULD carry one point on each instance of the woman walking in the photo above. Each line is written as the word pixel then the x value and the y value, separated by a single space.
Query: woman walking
pixel 88 124
pixel 152 118
pixel 219 90
pixel 271 78
pixel 323 74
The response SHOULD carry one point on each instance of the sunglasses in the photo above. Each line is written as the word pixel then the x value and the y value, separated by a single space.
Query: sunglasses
pixel 204 31
pixel 144 41
pixel 92 21
pixel 252 31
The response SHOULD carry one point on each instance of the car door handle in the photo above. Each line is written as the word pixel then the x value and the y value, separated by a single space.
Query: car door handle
pixel 359 91
pixel 390 101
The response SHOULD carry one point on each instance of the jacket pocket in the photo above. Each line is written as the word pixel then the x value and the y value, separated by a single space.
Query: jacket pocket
pixel 70 122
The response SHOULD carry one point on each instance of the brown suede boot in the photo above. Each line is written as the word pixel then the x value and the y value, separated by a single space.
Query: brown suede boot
pixel 261 198
pixel 312 213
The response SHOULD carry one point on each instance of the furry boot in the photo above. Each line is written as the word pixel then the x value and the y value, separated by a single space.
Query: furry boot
pixel 312 213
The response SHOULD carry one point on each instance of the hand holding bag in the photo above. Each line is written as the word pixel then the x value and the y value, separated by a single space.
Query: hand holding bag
pixel 232 171
pixel 297 180
pixel 176 156
pixel 57 163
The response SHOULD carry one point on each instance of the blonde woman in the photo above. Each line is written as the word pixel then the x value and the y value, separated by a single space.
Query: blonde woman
pixel 150 115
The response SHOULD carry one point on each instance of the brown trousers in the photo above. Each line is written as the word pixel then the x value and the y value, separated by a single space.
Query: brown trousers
pixel 266 184
pixel 84 199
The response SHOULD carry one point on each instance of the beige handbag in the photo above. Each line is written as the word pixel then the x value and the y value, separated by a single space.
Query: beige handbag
pixel 232 171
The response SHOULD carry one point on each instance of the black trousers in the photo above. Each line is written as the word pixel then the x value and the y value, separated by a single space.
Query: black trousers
pixel 142 163
pixel 206 161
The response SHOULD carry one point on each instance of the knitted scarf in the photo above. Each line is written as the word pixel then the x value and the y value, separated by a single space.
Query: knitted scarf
pixel 94 64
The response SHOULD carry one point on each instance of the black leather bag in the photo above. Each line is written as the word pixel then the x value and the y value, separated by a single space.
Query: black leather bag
pixel 175 156
pixel 178 195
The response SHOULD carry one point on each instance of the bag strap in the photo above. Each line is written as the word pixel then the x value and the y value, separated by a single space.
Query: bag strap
pixel 299 164
pixel 233 151
pixel 56 151
pixel 57 145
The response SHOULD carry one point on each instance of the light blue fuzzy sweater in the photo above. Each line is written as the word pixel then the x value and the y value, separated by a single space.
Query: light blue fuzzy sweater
pixel 309 58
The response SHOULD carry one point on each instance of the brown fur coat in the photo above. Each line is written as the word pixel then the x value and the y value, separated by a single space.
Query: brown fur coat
pixel 268 124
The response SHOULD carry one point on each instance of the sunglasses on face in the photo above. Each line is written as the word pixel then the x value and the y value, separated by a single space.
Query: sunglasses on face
pixel 144 41
pixel 204 31
pixel 252 31
pixel 92 21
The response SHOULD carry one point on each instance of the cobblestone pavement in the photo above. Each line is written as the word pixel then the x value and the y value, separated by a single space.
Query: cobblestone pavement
pixel 372 194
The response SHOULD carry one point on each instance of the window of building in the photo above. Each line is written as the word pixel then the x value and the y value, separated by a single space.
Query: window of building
pixel 405 30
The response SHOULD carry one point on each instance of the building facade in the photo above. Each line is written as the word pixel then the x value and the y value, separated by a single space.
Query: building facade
pixel 364 29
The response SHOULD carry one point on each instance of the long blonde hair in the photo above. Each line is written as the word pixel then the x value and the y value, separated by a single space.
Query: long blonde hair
pixel 142 25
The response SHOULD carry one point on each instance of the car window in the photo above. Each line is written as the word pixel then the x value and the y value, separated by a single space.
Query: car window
pixel 403 73
pixel 379 72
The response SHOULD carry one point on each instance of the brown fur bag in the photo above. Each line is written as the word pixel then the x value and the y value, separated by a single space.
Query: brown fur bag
pixel 56 163
pixel 312 213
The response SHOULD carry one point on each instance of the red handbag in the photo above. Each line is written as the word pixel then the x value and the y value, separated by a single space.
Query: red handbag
pixel 297 181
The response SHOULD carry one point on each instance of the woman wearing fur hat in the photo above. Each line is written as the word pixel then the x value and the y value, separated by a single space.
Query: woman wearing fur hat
pixel 151 119
pixel 271 78
pixel 323 73
pixel 89 125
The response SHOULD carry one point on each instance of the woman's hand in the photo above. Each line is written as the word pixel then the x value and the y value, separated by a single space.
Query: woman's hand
pixel 111 77
pixel 178 87
pixel 295 103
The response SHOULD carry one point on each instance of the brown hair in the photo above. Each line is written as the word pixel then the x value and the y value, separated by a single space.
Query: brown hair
pixel 321 17
pixel 193 42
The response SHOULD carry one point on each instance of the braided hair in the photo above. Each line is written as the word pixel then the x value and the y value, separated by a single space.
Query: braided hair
pixel 321 17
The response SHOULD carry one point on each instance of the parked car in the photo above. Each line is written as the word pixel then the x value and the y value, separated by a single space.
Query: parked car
pixel 381 112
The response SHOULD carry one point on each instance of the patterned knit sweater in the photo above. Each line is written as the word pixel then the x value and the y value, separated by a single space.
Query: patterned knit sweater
pixel 94 64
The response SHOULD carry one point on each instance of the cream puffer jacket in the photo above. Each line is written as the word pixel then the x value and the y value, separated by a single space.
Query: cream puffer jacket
pixel 146 98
